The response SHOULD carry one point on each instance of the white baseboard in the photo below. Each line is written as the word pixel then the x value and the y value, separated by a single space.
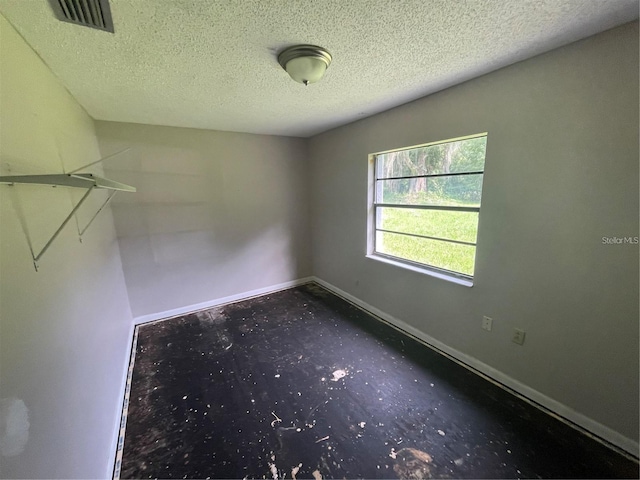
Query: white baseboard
pixel 562 412
pixel 121 407
pixel 219 301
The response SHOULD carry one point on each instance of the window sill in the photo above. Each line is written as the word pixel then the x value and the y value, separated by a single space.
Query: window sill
pixel 426 271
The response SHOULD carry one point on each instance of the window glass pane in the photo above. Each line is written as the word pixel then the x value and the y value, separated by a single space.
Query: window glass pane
pixel 461 226
pixel 459 156
pixel 458 190
pixel 449 256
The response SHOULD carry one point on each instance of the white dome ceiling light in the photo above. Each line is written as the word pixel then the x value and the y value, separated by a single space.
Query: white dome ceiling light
pixel 305 63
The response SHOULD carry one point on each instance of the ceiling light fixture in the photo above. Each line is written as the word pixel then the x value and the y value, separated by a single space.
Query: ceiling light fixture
pixel 305 63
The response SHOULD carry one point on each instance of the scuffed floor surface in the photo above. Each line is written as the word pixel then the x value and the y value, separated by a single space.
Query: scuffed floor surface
pixel 301 384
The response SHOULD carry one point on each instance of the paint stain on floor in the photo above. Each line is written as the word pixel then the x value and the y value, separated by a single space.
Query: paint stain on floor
pixel 301 384
pixel 412 464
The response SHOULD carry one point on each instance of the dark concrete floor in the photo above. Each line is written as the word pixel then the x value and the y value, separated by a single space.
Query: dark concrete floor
pixel 302 384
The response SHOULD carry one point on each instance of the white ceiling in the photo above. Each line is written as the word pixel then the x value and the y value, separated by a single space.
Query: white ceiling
pixel 212 63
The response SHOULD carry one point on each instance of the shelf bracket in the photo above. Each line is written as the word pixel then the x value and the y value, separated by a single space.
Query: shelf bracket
pixel 57 232
pixel 111 195
pixel 98 161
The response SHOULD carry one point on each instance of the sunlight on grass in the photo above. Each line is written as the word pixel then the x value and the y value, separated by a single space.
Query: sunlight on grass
pixel 449 256
pixel 461 226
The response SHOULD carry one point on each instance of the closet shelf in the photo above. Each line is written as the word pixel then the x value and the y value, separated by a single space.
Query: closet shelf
pixel 75 180
pixel 86 181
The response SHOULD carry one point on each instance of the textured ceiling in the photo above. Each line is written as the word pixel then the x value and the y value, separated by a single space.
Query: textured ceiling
pixel 212 63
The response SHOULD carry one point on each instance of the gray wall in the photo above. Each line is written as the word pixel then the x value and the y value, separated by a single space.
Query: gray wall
pixel 216 214
pixel 561 173
pixel 64 330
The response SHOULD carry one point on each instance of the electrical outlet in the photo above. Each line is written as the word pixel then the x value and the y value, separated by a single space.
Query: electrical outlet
pixel 487 323
pixel 518 336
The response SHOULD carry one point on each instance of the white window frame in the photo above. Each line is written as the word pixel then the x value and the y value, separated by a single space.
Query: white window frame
pixel 455 277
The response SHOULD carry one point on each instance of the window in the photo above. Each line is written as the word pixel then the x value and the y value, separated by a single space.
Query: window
pixel 426 204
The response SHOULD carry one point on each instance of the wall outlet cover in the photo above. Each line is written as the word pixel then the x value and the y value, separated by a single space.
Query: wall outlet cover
pixel 518 336
pixel 487 323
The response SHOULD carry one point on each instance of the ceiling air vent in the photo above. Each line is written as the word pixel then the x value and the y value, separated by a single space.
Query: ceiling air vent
pixel 89 13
